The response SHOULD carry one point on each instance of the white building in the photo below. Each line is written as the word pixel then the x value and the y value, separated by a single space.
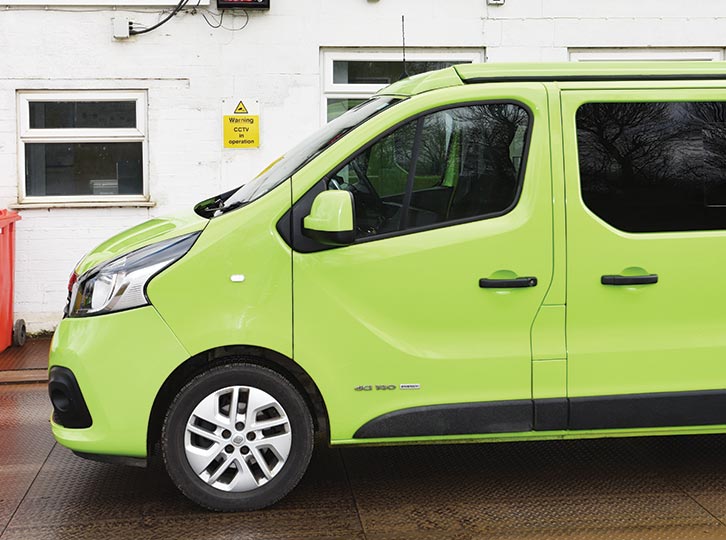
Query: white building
pixel 99 133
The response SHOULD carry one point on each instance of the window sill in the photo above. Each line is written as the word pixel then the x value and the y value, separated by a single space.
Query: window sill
pixel 82 204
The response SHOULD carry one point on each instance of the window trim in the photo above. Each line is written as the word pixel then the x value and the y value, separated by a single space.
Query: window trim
pixel 26 134
pixel 296 228
pixel 331 90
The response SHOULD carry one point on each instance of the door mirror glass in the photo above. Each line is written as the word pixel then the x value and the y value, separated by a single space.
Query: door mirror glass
pixel 331 220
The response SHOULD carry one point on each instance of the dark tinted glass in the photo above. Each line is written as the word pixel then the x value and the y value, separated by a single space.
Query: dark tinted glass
pixel 337 106
pixel 60 169
pixel 386 72
pixel 82 114
pixel 649 167
pixel 467 165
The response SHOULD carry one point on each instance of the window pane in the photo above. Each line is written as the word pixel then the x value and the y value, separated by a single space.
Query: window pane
pixel 648 167
pixel 380 72
pixel 82 114
pixel 62 169
pixel 468 165
pixel 337 106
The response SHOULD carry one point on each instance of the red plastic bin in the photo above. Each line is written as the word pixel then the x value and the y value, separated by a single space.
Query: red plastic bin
pixel 9 332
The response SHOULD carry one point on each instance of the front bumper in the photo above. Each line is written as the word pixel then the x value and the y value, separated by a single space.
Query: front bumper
pixel 120 361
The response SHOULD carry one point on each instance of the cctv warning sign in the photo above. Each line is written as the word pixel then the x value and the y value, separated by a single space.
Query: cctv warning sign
pixel 241 129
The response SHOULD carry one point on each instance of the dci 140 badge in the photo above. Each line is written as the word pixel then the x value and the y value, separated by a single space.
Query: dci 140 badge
pixel 388 387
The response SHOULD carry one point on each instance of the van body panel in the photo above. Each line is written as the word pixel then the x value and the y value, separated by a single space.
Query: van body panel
pixel 120 361
pixel 406 310
pixel 641 339
pixel 143 234
pixel 234 286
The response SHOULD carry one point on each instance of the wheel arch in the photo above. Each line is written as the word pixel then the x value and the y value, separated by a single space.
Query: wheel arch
pixel 229 354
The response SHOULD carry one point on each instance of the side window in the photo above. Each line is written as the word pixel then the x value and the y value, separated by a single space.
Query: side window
pixel 450 165
pixel 651 167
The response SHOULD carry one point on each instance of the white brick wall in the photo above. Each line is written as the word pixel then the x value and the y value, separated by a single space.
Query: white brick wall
pixel 189 69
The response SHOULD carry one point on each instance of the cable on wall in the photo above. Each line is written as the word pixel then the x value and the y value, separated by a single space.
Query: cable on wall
pixel 177 9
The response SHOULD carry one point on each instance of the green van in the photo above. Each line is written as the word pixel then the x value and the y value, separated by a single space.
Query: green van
pixel 484 253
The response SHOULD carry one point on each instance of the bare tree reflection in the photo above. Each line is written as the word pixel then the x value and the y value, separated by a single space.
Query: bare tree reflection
pixel 653 166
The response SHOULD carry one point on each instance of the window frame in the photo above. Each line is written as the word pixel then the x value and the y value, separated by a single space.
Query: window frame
pixel 26 134
pixel 331 90
pixel 418 117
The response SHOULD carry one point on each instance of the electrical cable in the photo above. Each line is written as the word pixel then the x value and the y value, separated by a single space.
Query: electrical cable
pixel 247 20
pixel 221 18
pixel 174 11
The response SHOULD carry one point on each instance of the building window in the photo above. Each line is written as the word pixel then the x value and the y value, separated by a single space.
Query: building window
pixel 637 54
pixel 82 147
pixel 352 76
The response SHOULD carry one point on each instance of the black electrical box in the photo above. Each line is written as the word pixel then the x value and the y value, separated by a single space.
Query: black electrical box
pixel 243 4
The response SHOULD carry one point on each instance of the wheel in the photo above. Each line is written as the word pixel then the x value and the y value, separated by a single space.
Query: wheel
pixel 19 333
pixel 237 437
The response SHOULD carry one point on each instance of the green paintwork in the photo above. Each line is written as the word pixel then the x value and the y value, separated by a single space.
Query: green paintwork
pixel 154 230
pixel 664 338
pixel 206 309
pixel 549 378
pixel 332 211
pixel 469 72
pixel 548 334
pixel 408 309
pixel 120 361
pixel 424 82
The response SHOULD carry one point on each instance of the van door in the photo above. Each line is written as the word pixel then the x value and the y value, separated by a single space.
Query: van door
pixel 646 242
pixel 422 326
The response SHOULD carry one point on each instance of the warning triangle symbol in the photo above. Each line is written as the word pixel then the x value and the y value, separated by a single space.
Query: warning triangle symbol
pixel 241 109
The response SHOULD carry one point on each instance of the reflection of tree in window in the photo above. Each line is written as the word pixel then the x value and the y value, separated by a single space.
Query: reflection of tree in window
pixel 654 166
pixel 467 164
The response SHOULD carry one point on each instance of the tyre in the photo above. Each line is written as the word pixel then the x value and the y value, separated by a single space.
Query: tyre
pixel 19 333
pixel 237 437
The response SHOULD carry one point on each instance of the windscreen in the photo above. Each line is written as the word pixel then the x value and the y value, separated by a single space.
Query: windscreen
pixel 293 160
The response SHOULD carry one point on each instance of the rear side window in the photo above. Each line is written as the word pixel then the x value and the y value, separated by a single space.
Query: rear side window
pixel 447 166
pixel 652 167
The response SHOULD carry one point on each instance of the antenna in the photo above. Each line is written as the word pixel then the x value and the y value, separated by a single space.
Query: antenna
pixel 404 75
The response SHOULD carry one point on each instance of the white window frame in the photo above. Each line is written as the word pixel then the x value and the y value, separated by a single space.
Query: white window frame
pixel 332 90
pixel 26 134
pixel 646 53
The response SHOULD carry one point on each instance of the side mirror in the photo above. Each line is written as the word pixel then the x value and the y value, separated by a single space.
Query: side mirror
pixel 331 220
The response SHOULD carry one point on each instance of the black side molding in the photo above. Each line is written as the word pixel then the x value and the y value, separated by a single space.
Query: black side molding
pixel 702 408
pixel 455 419
pixel 671 409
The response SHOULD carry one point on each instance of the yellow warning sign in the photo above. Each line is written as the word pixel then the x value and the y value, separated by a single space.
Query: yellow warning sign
pixel 241 109
pixel 241 131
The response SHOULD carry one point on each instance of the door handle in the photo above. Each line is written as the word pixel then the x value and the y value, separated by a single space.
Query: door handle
pixel 512 283
pixel 629 280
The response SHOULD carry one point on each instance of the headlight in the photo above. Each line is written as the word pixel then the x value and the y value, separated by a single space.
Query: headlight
pixel 121 283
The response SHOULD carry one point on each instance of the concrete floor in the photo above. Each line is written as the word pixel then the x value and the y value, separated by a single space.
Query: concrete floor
pixel 670 487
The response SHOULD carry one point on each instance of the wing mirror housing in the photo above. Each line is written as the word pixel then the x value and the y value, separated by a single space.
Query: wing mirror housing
pixel 331 220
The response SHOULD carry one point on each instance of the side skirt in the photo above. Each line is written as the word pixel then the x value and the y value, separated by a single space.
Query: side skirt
pixel 674 409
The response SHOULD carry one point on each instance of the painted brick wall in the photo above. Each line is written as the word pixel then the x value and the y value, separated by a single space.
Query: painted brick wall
pixel 189 68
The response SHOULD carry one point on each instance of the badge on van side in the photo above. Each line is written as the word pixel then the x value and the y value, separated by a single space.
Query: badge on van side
pixel 369 387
